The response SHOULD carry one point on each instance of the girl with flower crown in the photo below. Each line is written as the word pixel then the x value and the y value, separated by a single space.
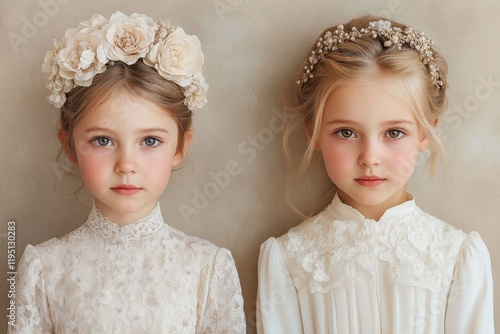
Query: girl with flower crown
pixel 371 93
pixel 126 88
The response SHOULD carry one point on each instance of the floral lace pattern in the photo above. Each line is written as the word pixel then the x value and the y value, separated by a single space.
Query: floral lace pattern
pixel 324 252
pixel 421 250
pixel 140 229
pixel 146 277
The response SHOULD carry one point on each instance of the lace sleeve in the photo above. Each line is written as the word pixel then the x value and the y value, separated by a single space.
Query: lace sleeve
pixel 32 315
pixel 224 306
pixel 470 301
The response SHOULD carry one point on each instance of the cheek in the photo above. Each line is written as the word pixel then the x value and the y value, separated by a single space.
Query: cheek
pixel 93 170
pixel 337 160
pixel 159 169
pixel 403 163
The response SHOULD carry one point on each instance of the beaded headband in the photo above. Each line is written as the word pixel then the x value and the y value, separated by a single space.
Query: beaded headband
pixel 392 36
pixel 84 52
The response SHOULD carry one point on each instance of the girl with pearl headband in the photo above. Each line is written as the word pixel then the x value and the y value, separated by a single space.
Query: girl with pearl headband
pixel 369 97
pixel 126 88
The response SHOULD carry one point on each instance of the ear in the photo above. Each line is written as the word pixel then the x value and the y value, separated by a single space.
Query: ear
pixel 68 151
pixel 179 156
pixel 424 142
pixel 309 134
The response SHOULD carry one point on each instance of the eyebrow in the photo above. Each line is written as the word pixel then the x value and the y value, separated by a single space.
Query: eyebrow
pixel 386 123
pixel 153 130
pixel 145 131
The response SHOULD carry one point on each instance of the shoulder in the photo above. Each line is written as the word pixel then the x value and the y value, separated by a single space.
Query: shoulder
pixel 305 237
pixel 474 250
pixel 270 253
pixel 424 244
pixel 312 252
pixel 57 245
pixel 435 232
pixel 189 245
pixel 308 230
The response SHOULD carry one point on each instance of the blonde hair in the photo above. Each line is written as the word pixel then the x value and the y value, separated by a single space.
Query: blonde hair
pixel 138 79
pixel 364 60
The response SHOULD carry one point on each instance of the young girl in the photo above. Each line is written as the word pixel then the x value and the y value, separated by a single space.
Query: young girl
pixel 126 88
pixel 373 262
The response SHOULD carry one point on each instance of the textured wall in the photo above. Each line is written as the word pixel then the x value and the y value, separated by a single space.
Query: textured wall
pixel 252 48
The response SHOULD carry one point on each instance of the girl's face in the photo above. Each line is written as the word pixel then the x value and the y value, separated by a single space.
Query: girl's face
pixel 369 141
pixel 125 150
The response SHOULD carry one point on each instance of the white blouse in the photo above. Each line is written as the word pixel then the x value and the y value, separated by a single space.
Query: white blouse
pixel 146 277
pixel 339 272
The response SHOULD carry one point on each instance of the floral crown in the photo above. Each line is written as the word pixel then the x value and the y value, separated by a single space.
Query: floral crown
pixel 84 52
pixel 392 36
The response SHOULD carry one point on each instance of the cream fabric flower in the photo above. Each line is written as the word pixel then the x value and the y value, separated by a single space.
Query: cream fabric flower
pixel 127 38
pixel 83 56
pixel 49 65
pixel 196 92
pixel 178 57
pixel 97 21
pixel 84 52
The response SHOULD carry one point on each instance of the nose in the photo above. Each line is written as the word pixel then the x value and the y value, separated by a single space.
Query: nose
pixel 126 161
pixel 370 154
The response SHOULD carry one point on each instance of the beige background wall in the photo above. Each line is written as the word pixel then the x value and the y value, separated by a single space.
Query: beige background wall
pixel 252 47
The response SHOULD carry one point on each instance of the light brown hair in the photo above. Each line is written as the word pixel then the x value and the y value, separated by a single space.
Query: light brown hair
pixel 138 79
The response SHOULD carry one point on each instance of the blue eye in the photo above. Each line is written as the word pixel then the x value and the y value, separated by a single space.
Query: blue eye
pixel 151 142
pixel 395 134
pixel 345 133
pixel 101 141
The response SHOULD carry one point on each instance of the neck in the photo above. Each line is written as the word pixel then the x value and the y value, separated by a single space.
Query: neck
pixel 375 211
pixel 126 215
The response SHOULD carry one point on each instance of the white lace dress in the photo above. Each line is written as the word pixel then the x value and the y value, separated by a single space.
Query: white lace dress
pixel 339 272
pixel 146 277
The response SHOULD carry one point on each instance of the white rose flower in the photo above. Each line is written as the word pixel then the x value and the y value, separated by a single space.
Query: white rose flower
pixel 381 25
pixel 57 99
pixel 97 21
pixel 49 65
pixel 84 52
pixel 128 38
pixel 82 58
pixel 57 88
pixel 178 57
pixel 196 92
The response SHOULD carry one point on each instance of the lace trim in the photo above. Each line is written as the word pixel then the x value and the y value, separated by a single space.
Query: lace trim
pixel 109 230
pixel 324 253
pixel 421 250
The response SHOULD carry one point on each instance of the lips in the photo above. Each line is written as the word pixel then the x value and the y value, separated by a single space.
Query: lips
pixel 370 180
pixel 126 189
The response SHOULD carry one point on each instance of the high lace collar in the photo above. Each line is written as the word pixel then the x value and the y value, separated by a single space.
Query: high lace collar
pixel 342 211
pixel 139 229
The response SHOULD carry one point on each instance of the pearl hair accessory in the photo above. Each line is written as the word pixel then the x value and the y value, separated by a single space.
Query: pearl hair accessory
pixel 392 36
